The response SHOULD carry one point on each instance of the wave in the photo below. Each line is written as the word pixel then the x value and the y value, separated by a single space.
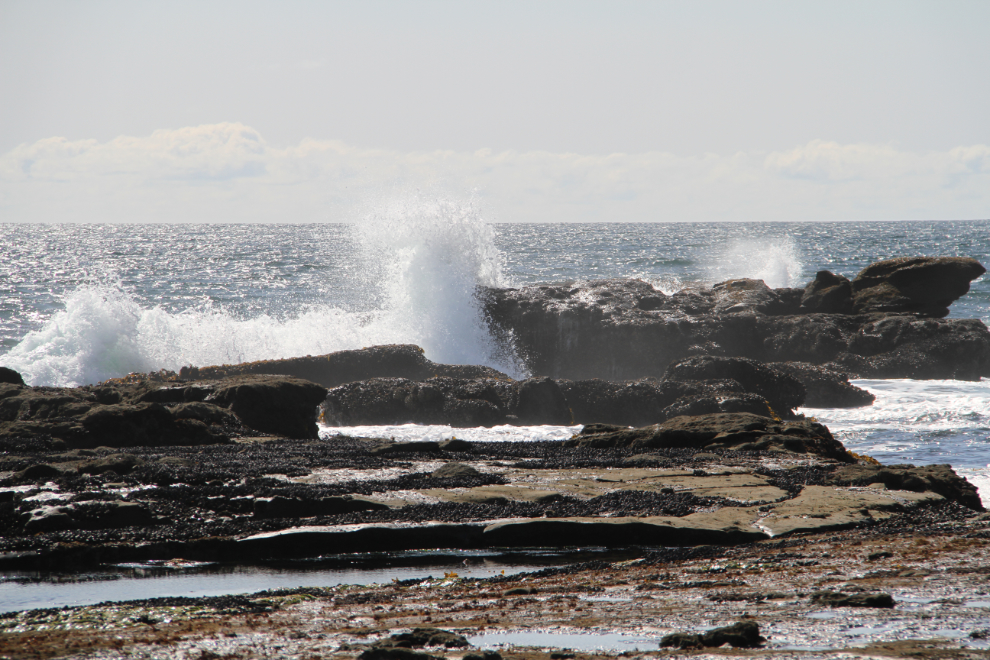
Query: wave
pixel 421 261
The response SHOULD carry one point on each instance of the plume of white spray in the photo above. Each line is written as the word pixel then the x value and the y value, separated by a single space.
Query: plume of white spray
pixel 423 259
pixel 427 256
pixel 776 261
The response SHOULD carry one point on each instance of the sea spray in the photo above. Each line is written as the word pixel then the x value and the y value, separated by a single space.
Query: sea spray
pixel 426 258
pixel 776 261
pixel 419 265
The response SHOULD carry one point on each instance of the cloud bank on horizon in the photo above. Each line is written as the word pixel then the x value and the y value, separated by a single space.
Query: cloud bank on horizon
pixel 566 110
pixel 227 172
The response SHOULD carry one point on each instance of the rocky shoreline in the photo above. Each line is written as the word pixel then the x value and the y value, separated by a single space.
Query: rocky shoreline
pixel 691 455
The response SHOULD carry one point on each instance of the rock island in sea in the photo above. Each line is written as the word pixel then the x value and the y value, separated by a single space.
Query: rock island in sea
pixel 746 527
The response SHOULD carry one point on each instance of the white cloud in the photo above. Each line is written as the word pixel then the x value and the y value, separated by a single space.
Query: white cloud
pixel 226 172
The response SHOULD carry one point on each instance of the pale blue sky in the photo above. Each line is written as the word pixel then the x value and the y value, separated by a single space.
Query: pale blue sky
pixel 570 77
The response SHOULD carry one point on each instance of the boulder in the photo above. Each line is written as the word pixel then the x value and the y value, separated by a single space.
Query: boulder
pixel 706 404
pixel 540 401
pixel 10 376
pixel 782 391
pixel 824 387
pixel 452 401
pixel 420 637
pixel 748 296
pixel 828 293
pixel 50 519
pixel 637 403
pixel 138 425
pixel 280 405
pixel 455 471
pixel 919 285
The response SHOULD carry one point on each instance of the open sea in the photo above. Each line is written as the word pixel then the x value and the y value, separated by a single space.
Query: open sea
pixel 83 303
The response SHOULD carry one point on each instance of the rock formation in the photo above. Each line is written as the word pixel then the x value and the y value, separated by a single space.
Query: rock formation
pixel 885 323
pixel 333 369
pixel 149 413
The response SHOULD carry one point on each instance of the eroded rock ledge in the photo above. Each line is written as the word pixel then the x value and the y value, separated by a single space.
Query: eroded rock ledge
pixel 888 322
pixel 253 499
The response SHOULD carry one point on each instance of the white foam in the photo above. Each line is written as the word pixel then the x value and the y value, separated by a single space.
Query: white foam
pixel 420 432
pixel 422 261
pixel 979 477
pixel 914 406
pixel 777 262
pixel 921 422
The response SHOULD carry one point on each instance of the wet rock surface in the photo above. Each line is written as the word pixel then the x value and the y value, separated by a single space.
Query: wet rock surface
pixel 256 497
pixel 741 635
pixel 699 595
pixel 741 431
pixel 885 323
pixel 333 369
pixel 149 413
pixel 695 386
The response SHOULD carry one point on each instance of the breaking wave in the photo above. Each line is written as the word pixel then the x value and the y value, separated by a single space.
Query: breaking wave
pixel 420 262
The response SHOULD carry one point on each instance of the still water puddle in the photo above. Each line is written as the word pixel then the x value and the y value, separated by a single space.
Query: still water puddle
pixel 573 641
pixel 35 590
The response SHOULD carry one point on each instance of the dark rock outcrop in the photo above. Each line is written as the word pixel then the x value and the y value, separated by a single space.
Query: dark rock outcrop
pixel 839 599
pixel 696 386
pixel 148 413
pixel 782 391
pixel 333 369
pixel 641 402
pixel 459 403
pixel 744 634
pixel 737 431
pixel 10 376
pixel 920 285
pixel 824 387
pixel 883 324
pixel 828 293
pixel 280 405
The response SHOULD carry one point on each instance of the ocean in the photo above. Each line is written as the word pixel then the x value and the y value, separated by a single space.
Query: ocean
pixel 80 303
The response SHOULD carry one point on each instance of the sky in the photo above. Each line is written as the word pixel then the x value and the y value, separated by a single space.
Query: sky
pixel 543 111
